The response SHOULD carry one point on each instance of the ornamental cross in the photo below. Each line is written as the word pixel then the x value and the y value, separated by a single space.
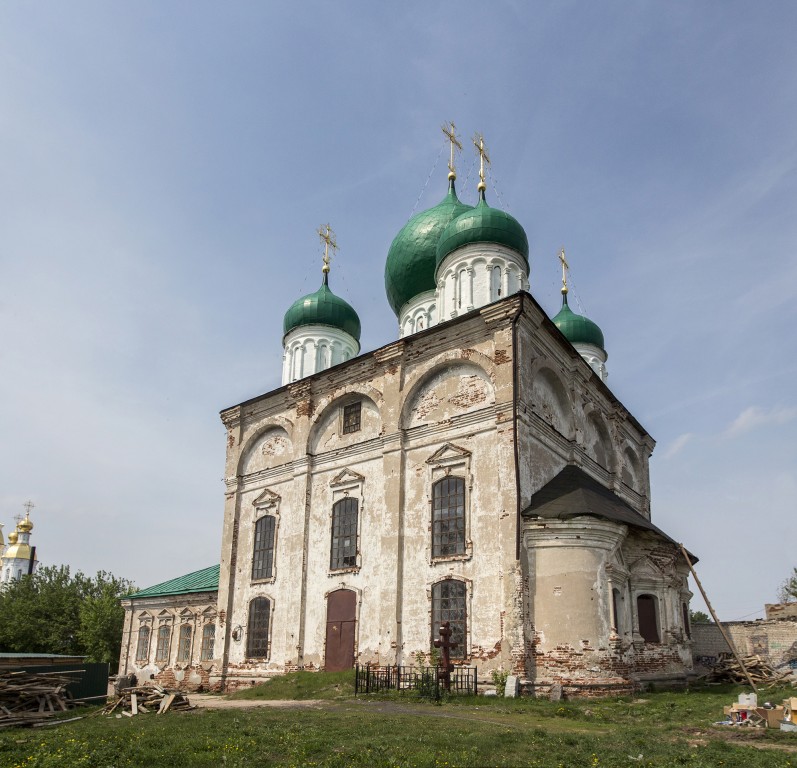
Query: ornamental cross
pixel 328 239
pixel 445 644
pixel 450 130
pixel 565 267
pixel 478 142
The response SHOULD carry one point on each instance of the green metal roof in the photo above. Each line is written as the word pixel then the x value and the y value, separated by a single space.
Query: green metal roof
pixel 411 260
pixel 483 224
pixel 577 328
pixel 206 580
pixel 322 308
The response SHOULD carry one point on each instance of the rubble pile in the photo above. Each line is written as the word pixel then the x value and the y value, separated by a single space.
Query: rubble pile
pixel 28 698
pixel 142 699
pixel 728 670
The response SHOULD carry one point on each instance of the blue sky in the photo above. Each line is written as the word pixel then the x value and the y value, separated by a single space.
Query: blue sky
pixel 166 165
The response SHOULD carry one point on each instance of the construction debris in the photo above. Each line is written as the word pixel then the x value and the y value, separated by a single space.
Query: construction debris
pixel 28 698
pixel 146 698
pixel 729 670
pixel 746 712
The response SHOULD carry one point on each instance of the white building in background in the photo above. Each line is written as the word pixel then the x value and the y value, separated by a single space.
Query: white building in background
pixel 18 557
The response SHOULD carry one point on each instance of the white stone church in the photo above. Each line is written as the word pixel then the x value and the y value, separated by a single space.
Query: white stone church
pixel 477 470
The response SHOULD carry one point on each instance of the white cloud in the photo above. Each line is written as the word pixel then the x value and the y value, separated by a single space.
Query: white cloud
pixel 678 444
pixel 755 416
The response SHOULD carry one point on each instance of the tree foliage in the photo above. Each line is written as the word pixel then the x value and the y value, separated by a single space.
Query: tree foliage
pixel 788 590
pixel 699 617
pixel 56 612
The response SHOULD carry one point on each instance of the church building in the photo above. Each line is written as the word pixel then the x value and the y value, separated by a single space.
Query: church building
pixel 476 470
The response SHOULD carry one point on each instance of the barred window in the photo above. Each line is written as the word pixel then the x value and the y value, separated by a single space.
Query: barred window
pixel 208 638
pixel 257 630
pixel 449 605
pixel 184 643
pixel 351 417
pixel 448 517
pixel 142 647
pixel 162 648
pixel 263 555
pixel 344 534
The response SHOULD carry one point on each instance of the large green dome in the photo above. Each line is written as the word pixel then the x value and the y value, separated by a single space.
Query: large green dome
pixel 411 260
pixel 483 224
pixel 578 329
pixel 322 308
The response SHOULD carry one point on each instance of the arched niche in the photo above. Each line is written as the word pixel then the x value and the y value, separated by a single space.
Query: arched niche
pixel 268 448
pixel 631 471
pixel 598 441
pixel 328 432
pixel 550 399
pixel 450 389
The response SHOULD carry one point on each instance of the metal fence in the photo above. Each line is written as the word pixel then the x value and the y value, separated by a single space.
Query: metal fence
pixel 422 681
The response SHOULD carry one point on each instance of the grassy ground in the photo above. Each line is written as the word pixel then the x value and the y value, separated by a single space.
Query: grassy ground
pixel 661 729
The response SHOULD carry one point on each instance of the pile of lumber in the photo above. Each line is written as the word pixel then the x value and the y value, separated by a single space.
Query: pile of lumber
pixel 728 670
pixel 144 699
pixel 27 698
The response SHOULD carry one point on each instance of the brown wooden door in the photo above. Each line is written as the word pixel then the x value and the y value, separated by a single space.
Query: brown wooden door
pixel 341 620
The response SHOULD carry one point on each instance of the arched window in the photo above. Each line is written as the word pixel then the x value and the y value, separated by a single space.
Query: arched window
pixel 263 554
pixel 449 600
pixel 257 629
pixel 344 534
pixel 184 643
pixel 142 647
pixel 448 517
pixel 208 640
pixel 495 283
pixel 648 613
pixel 685 614
pixel 162 648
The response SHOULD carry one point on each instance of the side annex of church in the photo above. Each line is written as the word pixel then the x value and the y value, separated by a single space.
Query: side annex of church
pixel 478 470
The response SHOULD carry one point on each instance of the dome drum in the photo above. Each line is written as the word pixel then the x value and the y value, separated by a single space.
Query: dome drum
pixel 310 349
pixel 418 313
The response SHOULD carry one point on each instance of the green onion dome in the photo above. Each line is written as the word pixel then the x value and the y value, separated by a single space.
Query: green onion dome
pixel 483 224
pixel 411 263
pixel 322 308
pixel 578 329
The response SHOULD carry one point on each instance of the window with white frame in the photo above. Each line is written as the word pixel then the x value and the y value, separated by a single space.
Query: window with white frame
pixel 449 604
pixel 142 646
pixel 208 641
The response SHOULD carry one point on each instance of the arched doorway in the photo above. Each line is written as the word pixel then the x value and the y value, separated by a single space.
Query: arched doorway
pixel 341 621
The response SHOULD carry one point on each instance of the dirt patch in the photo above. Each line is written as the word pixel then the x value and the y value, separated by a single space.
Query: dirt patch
pixel 212 701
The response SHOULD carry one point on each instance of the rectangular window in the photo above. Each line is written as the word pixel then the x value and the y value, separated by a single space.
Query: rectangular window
pixel 448 605
pixel 263 555
pixel 351 417
pixel 184 644
pixel 448 517
pixel 162 648
pixel 208 637
pixel 257 629
pixel 647 611
pixel 142 647
pixel 344 534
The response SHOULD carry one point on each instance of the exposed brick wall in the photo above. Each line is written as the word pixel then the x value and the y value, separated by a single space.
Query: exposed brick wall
pixel 775 640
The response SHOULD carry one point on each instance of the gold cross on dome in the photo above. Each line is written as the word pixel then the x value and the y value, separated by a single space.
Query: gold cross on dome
pixel 478 142
pixel 565 267
pixel 450 130
pixel 328 239
pixel 29 505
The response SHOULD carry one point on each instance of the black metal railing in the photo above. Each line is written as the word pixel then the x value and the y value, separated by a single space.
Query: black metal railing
pixel 426 682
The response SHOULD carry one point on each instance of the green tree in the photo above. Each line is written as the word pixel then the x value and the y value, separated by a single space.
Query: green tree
pixel 788 590
pixel 53 611
pixel 699 617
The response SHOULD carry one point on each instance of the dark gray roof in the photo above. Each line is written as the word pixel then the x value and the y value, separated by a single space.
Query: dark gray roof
pixel 573 492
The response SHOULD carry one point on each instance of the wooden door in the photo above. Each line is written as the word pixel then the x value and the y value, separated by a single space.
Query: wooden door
pixel 341 621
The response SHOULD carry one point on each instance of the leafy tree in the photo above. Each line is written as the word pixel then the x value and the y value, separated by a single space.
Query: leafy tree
pixel 699 617
pixel 788 590
pixel 55 612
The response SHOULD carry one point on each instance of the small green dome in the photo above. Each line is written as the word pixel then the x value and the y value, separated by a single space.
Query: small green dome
pixel 483 224
pixel 411 260
pixel 578 329
pixel 322 308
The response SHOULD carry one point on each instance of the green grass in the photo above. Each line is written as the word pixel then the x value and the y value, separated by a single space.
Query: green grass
pixel 667 729
pixel 300 686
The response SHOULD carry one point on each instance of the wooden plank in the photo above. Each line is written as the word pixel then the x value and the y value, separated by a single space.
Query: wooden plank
pixel 134 703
